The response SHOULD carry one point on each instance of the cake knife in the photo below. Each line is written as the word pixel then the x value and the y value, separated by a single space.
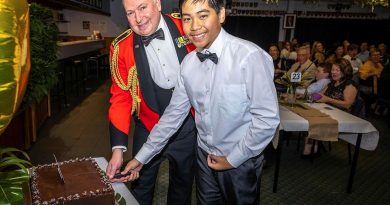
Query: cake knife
pixel 59 170
pixel 119 175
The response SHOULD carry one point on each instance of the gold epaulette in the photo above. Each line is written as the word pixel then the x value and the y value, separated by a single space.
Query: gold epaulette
pixel 121 37
pixel 176 15
pixel 132 79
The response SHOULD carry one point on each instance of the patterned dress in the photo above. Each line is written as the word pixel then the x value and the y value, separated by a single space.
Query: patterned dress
pixel 337 92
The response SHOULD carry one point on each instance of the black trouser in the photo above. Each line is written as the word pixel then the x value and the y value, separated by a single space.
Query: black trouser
pixel 180 151
pixel 235 186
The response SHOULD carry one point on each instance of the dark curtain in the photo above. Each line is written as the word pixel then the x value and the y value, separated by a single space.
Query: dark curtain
pixel 330 31
pixel 260 30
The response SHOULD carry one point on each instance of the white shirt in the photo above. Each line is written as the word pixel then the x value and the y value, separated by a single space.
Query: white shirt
pixel 288 55
pixel 356 63
pixel 315 87
pixel 163 61
pixel 363 56
pixel 235 102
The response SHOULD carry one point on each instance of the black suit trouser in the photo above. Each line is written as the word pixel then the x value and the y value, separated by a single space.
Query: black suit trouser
pixel 236 186
pixel 180 152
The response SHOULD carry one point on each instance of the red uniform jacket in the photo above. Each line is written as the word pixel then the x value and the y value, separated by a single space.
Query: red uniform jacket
pixel 131 91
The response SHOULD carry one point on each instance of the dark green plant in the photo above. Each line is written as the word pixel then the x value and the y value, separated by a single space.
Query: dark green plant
pixel 11 180
pixel 43 44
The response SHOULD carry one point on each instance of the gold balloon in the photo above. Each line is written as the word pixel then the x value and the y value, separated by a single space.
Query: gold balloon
pixel 14 57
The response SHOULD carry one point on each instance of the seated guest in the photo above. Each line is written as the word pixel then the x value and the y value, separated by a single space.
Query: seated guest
pixel 278 65
pixel 351 56
pixel 318 55
pixel 364 53
pixel 369 74
pixel 345 45
pixel 304 65
pixel 341 92
pixel 382 107
pixel 322 80
pixel 294 42
pixel 288 51
pixel 384 81
pixel 337 54
pixel 385 58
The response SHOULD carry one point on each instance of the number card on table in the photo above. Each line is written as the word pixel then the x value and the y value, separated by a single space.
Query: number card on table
pixel 296 77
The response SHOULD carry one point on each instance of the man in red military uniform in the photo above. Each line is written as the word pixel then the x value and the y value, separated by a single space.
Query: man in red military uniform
pixel 145 62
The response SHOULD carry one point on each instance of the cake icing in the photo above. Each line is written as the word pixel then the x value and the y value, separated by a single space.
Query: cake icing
pixel 85 183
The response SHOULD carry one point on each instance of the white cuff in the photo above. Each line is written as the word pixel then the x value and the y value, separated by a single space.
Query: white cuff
pixel 124 149
pixel 236 157
pixel 144 155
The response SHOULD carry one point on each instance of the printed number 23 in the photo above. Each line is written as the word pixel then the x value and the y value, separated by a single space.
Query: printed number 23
pixel 296 77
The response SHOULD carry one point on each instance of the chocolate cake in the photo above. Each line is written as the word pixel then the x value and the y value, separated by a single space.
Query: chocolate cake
pixel 85 183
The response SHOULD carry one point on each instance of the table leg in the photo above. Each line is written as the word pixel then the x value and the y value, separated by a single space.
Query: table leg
pixel 349 154
pixel 277 163
pixel 354 163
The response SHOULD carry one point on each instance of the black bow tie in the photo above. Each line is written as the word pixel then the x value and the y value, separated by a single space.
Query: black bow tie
pixel 159 34
pixel 203 56
pixel 353 59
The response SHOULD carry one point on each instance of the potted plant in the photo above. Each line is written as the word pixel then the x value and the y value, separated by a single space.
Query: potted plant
pixel 14 177
pixel 43 44
pixel 43 73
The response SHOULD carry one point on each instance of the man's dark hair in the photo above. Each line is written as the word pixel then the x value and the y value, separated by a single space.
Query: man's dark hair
pixel 217 5
pixel 352 47
pixel 274 45
pixel 326 66
pixel 336 45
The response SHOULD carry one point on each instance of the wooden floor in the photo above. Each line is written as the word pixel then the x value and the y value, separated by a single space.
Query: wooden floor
pixel 80 132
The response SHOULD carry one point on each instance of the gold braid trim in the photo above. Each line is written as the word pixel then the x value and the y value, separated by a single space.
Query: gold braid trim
pixel 176 15
pixel 121 37
pixel 132 84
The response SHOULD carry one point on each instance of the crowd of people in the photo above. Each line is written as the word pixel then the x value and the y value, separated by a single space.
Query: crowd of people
pixel 346 77
pixel 370 68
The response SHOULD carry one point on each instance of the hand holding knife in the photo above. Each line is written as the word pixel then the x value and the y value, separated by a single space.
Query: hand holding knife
pixel 119 175
pixel 128 174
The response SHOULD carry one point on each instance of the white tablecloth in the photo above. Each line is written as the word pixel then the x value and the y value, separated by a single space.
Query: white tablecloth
pixel 118 187
pixel 349 125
